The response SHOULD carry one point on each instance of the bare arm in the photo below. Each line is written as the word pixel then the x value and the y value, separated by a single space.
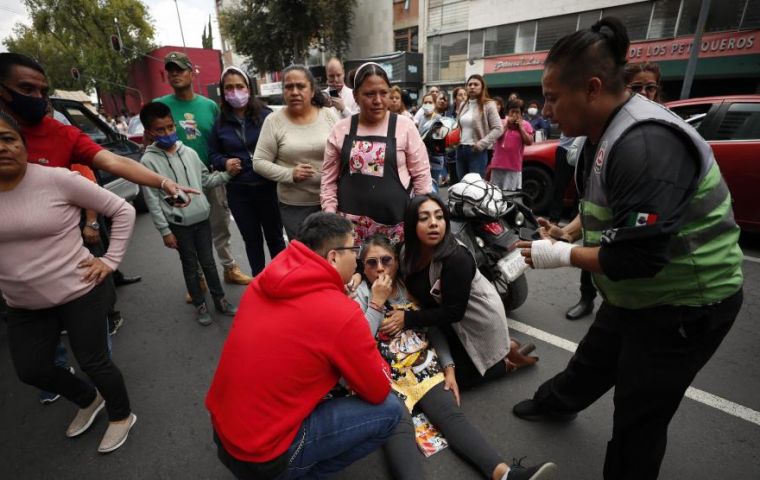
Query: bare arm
pixel 136 172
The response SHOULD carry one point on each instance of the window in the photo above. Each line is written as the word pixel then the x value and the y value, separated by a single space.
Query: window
pixel 476 43
pixel 500 40
pixel 406 40
pixel 687 23
pixel 635 17
pixel 448 15
pixel 586 19
pixel 664 19
pixel 693 114
pixel 447 57
pixel 751 15
pixel 742 122
pixel 526 37
pixel 552 29
pixel 725 15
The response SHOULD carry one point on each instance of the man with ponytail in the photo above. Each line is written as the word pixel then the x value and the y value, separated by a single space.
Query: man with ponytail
pixel 659 238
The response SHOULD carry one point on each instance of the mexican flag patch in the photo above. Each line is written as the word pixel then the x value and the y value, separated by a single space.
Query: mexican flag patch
pixel 641 219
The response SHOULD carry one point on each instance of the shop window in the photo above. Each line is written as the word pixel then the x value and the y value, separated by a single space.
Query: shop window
pixel 635 17
pixel 687 22
pixel 500 40
pixel 742 122
pixel 526 37
pixel 725 15
pixel 552 29
pixel 664 18
pixel 751 15
pixel 447 57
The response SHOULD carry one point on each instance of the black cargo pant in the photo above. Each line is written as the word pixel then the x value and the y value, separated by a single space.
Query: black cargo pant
pixel 651 357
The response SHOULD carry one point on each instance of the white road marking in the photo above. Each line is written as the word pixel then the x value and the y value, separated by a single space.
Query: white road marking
pixel 751 259
pixel 706 398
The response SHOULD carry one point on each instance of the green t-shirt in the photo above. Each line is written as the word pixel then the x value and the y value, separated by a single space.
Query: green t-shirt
pixel 194 120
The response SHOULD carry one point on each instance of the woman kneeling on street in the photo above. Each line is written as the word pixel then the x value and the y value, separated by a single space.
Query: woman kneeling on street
pixel 422 373
pixel 52 283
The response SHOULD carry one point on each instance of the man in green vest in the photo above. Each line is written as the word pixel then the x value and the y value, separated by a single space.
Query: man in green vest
pixel 659 238
pixel 194 116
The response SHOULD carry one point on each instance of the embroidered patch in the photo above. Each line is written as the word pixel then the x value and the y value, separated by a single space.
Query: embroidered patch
pixel 599 160
pixel 640 219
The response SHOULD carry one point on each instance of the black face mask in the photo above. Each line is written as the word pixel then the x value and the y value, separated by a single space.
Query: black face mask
pixel 30 110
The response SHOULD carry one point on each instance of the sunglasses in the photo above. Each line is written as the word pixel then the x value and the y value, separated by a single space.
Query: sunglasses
pixel 386 260
pixel 638 88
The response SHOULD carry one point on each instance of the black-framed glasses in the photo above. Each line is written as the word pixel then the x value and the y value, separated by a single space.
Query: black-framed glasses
pixel 638 87
pixel 385 260
pixel 353 248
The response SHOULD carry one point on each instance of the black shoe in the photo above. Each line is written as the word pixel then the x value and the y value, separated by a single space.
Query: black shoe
pixel 584 307
pixel 532 411
pixel 542 471
pixel 120 279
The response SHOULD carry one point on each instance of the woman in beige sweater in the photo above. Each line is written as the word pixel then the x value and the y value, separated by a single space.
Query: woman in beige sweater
pixel 481 126
pixel 292 145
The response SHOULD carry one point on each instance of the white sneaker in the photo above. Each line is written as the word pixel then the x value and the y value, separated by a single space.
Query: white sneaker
pixel 85 417
pixel 116 434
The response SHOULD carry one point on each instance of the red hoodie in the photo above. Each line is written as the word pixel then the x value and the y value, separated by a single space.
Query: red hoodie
pixel 295 334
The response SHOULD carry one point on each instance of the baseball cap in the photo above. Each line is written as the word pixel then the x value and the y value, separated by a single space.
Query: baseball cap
pixel 179 59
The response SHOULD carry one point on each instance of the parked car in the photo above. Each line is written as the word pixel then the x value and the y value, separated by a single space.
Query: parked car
pixel 731 125
pixel 78 115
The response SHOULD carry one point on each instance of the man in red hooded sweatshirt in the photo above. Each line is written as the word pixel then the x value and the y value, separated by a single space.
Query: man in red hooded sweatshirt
pixel 295 335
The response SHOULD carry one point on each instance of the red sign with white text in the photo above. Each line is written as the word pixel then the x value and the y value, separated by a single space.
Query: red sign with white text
pixel 716 45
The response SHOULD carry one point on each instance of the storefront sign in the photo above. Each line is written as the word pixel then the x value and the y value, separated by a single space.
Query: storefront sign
pixel 268 89
pixel 716 45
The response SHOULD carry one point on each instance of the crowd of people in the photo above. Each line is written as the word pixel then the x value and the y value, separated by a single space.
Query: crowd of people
pixel 373 309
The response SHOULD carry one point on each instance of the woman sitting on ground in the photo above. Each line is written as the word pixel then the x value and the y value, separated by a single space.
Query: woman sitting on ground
pixel 442 275
pixel 421 375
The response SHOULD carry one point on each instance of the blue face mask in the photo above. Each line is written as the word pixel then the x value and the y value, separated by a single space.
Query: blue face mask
pixel 166 141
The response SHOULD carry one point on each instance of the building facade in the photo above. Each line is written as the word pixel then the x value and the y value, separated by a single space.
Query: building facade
pixel 507 41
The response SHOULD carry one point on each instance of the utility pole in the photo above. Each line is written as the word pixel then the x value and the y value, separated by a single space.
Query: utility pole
pixel 696 47
pixel 184 45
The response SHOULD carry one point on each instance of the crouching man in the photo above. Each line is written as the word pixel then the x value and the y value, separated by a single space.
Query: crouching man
pixel 295 334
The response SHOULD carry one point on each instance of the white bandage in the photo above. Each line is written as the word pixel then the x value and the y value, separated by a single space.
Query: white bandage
pixel 546 254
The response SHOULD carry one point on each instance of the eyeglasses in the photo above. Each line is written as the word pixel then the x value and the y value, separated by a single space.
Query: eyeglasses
pixel 649 87
pixel 386 260
pixel 354 248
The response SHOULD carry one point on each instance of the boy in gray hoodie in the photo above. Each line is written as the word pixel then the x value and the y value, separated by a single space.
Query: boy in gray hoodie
pixel 185 229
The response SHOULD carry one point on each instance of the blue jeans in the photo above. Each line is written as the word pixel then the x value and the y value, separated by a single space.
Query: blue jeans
pixel 336 434
pixel 470 161
pixel 437 170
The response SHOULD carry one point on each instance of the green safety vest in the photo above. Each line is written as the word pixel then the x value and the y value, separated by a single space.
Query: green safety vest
pixel 705 258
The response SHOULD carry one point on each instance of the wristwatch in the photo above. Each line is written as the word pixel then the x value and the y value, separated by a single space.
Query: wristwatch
pixel 93 225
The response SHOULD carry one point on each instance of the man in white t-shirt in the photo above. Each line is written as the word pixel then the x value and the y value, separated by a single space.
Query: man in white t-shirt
pixel 341 96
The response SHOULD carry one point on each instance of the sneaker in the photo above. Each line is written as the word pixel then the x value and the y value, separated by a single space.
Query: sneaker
pixel 46 398
pixel 204 317
pixel 542 471
pixel 116 434
pixel 85 417
pixel 204 288
pixel 532 411
pixel 224 307
pixel 235 276
pixel 115 321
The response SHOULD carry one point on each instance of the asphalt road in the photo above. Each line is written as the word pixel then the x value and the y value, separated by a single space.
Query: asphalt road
pixel 168 360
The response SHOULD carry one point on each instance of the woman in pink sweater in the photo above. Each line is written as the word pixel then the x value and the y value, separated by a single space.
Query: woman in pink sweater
pixel 374 161
pixel 52 283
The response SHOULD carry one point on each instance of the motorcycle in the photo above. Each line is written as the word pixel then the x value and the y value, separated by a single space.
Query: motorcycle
pixel 492 240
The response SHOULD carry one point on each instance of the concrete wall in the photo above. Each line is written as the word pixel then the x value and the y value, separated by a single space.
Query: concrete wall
pixel 372 32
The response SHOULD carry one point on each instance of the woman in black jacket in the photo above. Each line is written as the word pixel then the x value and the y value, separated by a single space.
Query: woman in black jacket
pixel 251 197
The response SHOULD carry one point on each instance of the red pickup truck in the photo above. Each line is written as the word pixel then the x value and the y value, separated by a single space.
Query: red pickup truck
pixel 731 125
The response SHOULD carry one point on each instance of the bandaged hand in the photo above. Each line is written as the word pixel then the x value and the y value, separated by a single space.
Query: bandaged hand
pixel 548 254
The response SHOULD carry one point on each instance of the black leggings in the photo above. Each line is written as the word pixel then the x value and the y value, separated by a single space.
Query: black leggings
pixel 440 407
pixel 33 336
pixel 467 373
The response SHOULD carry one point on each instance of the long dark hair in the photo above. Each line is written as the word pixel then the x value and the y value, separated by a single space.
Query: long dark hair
pixel 412 247
pixel 254 107
pixel 483 98
pixel 319 99
pixel 599 51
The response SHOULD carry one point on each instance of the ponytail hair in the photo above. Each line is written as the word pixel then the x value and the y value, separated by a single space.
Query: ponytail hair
pixel 601 51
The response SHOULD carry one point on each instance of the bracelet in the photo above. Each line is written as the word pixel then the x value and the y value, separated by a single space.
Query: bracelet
pixel 163 182
pixel 376 307
pixel 449 365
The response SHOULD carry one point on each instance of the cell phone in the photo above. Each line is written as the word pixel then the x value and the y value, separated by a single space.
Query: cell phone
pixel 334 93
pixel 180 199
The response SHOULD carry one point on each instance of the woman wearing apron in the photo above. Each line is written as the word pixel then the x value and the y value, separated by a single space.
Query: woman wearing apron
pixel 374 161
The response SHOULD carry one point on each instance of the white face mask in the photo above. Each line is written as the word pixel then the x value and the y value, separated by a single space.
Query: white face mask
pixel 532 111
pixel 427 107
